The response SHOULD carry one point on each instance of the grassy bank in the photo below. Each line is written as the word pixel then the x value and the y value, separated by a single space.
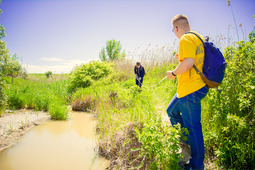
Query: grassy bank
pixel 132 133
pixel 39 93
pixel 133 128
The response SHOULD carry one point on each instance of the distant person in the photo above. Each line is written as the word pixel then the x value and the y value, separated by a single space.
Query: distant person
pixel 139 74
pixel 185 106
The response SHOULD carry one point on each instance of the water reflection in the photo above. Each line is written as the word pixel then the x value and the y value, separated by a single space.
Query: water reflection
pixel 56 145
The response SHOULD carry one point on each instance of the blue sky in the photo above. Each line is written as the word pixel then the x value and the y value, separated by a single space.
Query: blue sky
pixel 56 35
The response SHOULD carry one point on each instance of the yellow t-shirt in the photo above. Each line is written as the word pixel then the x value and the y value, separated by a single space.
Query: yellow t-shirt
pixel 190 46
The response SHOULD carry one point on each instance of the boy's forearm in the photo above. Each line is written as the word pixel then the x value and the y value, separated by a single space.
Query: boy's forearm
pixel 184 66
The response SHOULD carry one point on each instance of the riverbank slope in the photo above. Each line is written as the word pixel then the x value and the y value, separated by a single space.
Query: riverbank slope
pixel 15 124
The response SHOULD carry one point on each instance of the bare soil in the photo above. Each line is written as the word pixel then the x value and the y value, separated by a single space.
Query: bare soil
pixel 15 124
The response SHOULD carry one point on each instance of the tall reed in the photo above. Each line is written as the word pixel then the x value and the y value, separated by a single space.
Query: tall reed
pixel 37 92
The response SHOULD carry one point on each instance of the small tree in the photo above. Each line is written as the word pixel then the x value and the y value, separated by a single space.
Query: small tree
pixel 13 67
pixel 2 54
pixel 102 55
pixel 252 36
pixel 2 32
pixel 113 51
pixel 9 65
pixel 48 74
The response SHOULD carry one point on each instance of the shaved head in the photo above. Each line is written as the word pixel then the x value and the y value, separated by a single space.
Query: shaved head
pixel 180 21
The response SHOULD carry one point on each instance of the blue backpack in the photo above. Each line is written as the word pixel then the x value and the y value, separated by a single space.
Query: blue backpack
pixel 214 64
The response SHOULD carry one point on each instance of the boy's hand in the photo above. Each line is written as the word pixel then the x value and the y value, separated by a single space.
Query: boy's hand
pixel 170 75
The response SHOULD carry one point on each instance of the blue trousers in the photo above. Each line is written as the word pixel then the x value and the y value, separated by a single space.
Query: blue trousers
pixel 139 83
pixel 187 112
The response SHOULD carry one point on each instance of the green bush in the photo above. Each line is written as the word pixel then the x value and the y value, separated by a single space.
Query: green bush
pixel 42 101
pixel 48 74
pixel 30 99
pixel 232 112
pixel 37 93
pixel 159 145
pixel 228 117
pixel 59 89
pixel 15 99
pixel 58 111
pixel 234 144
pixel 84 75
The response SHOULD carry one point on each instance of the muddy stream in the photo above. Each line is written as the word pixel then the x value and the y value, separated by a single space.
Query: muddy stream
pixel 57 145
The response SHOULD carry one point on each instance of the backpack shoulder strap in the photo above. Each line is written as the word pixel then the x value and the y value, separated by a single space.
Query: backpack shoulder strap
pixel 198 72
pixel 197 36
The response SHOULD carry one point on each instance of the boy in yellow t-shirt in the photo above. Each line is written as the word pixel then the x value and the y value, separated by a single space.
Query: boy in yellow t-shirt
pixel 185 106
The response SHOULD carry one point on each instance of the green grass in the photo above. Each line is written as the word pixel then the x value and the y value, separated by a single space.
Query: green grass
pixel 38 92
pixel 133 106
pixel 131 123
pixel 223 114
pixel 58 111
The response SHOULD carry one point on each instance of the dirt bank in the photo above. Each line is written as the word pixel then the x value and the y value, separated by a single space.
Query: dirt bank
pixel 15 124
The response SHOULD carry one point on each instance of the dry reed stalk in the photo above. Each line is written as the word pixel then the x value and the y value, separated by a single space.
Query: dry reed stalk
pixel 153 56
pixel 84 103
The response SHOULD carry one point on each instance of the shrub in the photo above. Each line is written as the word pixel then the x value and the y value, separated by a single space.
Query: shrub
pixel 48 74
pixel 15 99
pixel 58 111
pixel 159 145
pixel 30 99
pixel 42 101
pixel 84 75
pixel 234 144
pixel 232 112
pixel 35 94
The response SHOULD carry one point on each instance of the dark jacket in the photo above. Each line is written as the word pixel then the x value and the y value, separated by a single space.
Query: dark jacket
pixel 139 71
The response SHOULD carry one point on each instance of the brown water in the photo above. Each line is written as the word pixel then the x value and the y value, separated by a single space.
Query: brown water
pixel 56 145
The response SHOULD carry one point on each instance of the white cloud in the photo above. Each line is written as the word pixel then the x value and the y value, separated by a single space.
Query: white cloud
pixel 65 67
pixel 51 59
